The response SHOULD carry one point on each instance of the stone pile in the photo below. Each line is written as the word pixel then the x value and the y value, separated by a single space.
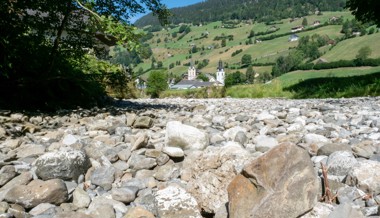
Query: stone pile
pixel 194 158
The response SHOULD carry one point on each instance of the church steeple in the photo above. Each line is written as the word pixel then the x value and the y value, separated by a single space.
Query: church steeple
pixel 220 65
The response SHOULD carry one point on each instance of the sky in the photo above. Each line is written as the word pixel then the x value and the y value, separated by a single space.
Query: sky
pixel 170 4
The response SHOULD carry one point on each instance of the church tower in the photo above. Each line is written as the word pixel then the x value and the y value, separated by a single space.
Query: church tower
pixel 220 75
pixel 191 72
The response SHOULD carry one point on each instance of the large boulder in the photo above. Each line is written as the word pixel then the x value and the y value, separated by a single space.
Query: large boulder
pixel 65 164
pixel 281 183
pixel 208 173
pixel 185 136
pixel 37 191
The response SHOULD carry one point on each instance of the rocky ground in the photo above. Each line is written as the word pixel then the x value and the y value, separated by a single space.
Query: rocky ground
pixel 182 158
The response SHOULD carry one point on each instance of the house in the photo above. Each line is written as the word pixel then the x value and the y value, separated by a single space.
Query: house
pixel 191 72
pixel 140 83
pixel 297 28
pixel 293 38
pixel 317 23
pixel 191 84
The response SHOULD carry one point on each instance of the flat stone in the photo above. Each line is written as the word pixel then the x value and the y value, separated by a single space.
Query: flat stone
pixel 143 122
pixel 36 192
pixel 138 212
pixel 173 151
pixel 6 174
pixel 103 176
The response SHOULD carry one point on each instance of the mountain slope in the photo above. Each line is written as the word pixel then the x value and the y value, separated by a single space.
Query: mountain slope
pixel 260 10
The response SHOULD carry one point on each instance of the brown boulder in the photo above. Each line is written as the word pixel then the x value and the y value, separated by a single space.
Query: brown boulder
pixel 281 183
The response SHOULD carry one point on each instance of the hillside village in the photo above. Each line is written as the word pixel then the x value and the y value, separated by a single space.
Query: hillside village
pixel 177 49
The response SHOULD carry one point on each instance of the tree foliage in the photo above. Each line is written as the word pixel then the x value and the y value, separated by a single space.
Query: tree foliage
pixel 363 53
pixel 43 47
pixel 156 83
pixel 365 10
pixel 246 59
pixel 250 74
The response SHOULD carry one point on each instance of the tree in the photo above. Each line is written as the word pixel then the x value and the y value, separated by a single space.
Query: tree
pixel 203 77
pixel 250 74
pixel 363 53
pixel 223 44
pixel 47 43
pixel 246 59
pixel 304 22
pixel 234 79
pixel 364 10
pixel 156 83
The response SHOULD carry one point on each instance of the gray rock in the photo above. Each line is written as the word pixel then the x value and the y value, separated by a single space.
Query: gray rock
pixel 43 209
pixel 242 118
pixel 4 206
pixel 330 148
pixel 291 183
pixel 143 122
pixel 346 211
pixel 104 211
pixel 339 163
pixel 80 198
pixel 139 162
pixel 139 141
pixel 320 210
pixel 29 150
pixel 230 134
pixel 100 201
pixel 162 159
pixel 241 138
pixel 364 149
pixel 185 136
pixel 6 174
pixel 165 172
pixel 65 164
pixel 350 195
pixel 36 192
pixel 21 179
pixel 126 194
pixel 103 176
pixel 173 202
pixel 365 175
pixel 70 139
pixel 265 115
pixel 124 154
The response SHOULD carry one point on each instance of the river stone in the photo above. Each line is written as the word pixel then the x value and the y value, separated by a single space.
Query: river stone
pixel 29 150
pixel 81 199
pixel 284 185
pixel 37 191
pixel 185 136
pixel 125 194
pixel 99 201
pixel 103 176
pixel 143 122
pixel 330 148
pixel 6 174
pixel 4 206
pixel 138 212
pixel 365 175
pixel 339 163
pixel 65 164
pixel 21 179
pixel 364 149
pixel 265 143
pixel 346 210
pixel 174 202
pixel 173 151
pixel 140 162
pixel 139 141
pixel 230 134
pixel 43 209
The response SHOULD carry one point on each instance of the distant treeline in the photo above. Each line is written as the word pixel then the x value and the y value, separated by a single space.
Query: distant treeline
pixel 262 11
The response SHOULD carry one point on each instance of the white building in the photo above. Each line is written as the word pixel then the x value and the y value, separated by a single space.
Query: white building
pixel 191 72
pixel 220 75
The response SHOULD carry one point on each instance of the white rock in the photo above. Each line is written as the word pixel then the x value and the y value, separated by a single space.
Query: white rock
pixel 185 136
pixel 265 115
pixel 173 151
pixel 173 202
pixel 265 143
pixel 230 134
pixel 365 175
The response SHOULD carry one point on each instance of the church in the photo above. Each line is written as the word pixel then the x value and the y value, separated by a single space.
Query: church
pixel 190 79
